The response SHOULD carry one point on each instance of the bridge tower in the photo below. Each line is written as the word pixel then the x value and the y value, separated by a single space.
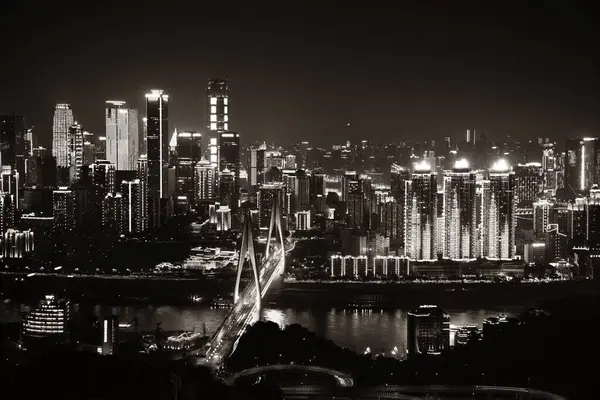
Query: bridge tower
pixel 247 249
pixel 275 224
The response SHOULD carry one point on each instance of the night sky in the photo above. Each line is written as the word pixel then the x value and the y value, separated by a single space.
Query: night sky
pixel 303 73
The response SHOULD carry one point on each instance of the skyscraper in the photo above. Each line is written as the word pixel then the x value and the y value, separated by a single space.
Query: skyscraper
pixel 122 135
pixel 157 141
pixel 13 142
pixel 189 145
pixel 498 207
pixel 399 176
pixel 459 212
pixel 75 152
pixel 204 181
pixel 581 164
pixel 421 213
pixel 63 119
pixel 217 105
pixel 258 165
pixel 229 159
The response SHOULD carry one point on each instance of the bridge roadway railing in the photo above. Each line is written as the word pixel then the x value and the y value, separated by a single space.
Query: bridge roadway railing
pixel 248 291
pixel 237 306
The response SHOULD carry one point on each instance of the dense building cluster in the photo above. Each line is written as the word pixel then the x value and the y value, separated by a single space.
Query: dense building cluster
pixel 423 201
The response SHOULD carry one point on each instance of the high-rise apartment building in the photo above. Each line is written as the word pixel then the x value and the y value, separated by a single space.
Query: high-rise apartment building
pixel 460 215
pixel 157 141
pixel 421 213
pixel 582 159
pixel 75 152
pixel 498 207
pixel 122 135
pixel 205 181
pixel 398 178
pixel 529 182
pixel 63 119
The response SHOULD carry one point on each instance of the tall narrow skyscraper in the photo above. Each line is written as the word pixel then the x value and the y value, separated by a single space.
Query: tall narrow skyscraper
pixel 157 141
pixel 229 159
pixel 499 220
pixel 75 152
pixel 217 105
pixel 460 212
pixel 421 213
pixel 122 135
pixel 63 119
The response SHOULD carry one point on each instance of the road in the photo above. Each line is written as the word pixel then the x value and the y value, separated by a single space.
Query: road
pixel 342 379
pixel 421 392
pixel 245 311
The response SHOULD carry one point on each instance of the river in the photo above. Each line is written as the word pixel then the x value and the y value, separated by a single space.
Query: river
pixel 354 329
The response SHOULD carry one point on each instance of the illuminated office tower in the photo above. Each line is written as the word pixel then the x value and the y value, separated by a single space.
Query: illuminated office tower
pixel 398 178
pixel 204 181
pixel 459 212
pixel 132 202
pixel 264 200
pixel 529 182
pixel 358 202
pixel 14 146
pixel 227 188
pixel 75 152
pixel 258 165
pixel 421 213
pixel 189 145
pixel 184 177
pixel 301 191
pixel 542 211
pixel 100 151
pixel 63 119
pixel 581 164
pixel 499 220
pixel 217 105
pixel 142 175
pixel 122 135
pixel 213 152
pixel 223 218
pixel 229 159
pixel 157 141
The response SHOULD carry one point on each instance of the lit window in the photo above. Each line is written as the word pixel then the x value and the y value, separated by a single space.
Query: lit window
pixel 213 126
pixel 226 117
pixel 225 111
pixel 213 109
pixel 225 126
pixel 213 117
pixel 225 100
pixel 213 100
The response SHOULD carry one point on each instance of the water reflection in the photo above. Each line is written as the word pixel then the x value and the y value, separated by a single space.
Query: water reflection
pixel 382 331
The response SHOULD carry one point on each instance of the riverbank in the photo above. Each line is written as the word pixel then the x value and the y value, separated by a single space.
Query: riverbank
pixel 445 295
pixel 119 289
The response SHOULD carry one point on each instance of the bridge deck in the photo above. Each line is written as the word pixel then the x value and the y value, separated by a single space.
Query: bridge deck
pixel 244 312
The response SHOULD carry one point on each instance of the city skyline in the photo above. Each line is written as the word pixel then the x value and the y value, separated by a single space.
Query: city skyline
pixel 443 71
